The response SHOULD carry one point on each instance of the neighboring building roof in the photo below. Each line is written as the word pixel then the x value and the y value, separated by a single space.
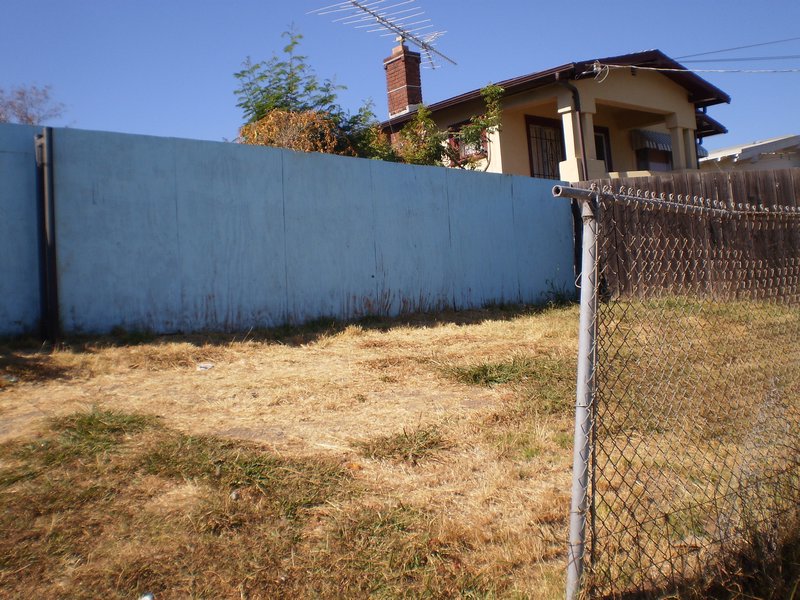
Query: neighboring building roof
pixel 786 143
pixel 701 92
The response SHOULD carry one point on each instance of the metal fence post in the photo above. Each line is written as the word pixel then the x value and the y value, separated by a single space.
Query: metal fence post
pixel 47 236
pixel 687 418
pixel 584 394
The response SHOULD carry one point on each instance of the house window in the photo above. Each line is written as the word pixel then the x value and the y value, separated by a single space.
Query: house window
pixel 653 150
pixel 545 146
pixel 461 152
pixel 602 147
pixel 648 159
pixel 467 151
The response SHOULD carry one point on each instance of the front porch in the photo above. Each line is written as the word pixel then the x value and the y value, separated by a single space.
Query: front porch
pixel 627 125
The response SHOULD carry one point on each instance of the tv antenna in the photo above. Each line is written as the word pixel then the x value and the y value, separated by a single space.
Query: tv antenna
pixel 389 17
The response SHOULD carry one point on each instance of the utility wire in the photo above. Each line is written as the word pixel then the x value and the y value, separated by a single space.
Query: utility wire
pixel 792 39
pixel 602 66
pixel 743 59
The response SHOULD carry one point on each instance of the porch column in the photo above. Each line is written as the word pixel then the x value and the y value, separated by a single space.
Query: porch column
pixel 678 148
pixel 681 131
pixel 587 120
pixel 571 168
pixel 690 147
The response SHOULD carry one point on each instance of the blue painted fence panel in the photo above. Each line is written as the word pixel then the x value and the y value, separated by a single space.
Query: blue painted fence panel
pixel 482 227
pixel 330 237
pixel 117 238
pixel 230 236
pixel 177 235
pixel 19 247
pixel 413 261
pixel 543 240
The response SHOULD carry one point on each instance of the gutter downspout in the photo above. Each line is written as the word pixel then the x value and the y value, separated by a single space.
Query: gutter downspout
pixel 577 219
pixel 50 325
pixel 576 104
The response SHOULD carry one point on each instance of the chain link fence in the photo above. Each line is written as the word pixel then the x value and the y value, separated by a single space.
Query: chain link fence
pixel 690 463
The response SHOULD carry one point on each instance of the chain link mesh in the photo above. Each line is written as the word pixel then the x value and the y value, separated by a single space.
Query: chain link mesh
pixel 696 431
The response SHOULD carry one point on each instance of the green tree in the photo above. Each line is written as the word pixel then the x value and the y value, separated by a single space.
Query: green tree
pixel 287 83
pixel 284 103
pixel 475 134
pixel 422 142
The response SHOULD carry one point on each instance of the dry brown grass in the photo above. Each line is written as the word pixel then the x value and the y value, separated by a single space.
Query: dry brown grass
pixel 326 461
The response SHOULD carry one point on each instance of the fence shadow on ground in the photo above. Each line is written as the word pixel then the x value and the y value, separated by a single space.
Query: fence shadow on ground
pixel 26 359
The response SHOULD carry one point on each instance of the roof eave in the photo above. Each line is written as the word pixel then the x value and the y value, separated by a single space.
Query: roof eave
pixel 693 83
pixel 515 85
pixel 706 126
pixel 701 92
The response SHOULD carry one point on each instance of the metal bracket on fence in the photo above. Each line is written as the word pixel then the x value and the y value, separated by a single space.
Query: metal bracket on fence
pixel 584 396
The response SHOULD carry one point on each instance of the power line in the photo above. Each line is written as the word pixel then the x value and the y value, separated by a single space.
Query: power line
pixel 792 39
pixel 743 59
pixel 603 66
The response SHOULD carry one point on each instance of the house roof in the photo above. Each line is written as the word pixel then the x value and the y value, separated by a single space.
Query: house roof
pixel 786 143
pixel 701 92
pixel 706 126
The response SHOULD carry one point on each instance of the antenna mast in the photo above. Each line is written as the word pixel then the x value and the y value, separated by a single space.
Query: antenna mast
pixel 391 20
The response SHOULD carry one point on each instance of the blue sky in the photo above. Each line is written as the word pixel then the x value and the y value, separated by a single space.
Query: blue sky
pixel 165 67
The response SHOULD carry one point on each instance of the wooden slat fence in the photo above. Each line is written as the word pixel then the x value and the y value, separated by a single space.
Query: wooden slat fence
pixel 665 252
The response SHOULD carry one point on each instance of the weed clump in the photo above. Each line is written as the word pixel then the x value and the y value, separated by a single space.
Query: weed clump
pixel 391 552
pixel 99 505
pixel 409 446
pixel 515 369
pixel 83 435
pixel 288 484
pixel 544 384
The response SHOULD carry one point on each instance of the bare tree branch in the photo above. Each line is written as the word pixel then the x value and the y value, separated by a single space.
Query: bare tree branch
pixel 29 105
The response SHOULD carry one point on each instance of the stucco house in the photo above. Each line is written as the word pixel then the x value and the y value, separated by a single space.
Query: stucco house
pixel 617 116
pixel 776 153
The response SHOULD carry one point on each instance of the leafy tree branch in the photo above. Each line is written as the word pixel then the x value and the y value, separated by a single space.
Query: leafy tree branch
pixel 284 103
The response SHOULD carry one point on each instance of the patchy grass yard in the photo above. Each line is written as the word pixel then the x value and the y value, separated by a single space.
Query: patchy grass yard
pixel 421 458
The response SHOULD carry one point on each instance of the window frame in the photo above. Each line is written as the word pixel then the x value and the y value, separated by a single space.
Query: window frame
pixel 455 143
pixel 647 157
pixel 544 122
pixel 605 134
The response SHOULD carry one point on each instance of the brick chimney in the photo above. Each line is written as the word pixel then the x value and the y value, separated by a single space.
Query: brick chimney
pixel 403 82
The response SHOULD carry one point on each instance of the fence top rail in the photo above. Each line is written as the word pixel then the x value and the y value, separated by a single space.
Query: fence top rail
pixel 680 204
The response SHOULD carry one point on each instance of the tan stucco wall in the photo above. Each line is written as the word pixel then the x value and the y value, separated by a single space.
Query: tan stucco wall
pixel 646 90
pixel 513 142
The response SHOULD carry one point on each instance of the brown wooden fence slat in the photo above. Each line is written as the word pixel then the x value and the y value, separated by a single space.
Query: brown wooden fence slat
pixel 755 244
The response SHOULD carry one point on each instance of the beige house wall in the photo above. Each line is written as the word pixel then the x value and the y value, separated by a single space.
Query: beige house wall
pixel 620 100
pixel 652 92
